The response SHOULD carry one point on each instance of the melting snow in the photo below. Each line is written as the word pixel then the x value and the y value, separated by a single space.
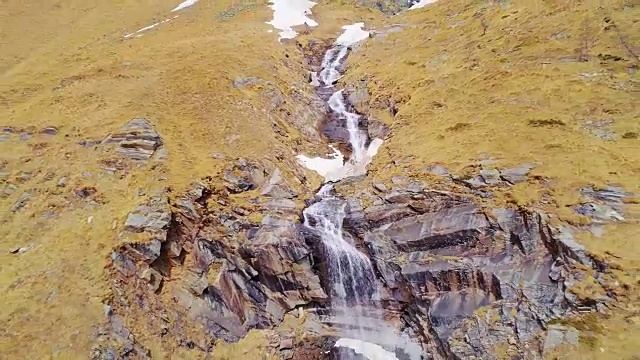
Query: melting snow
pixel 334 168
pixel 289 13
pixel 368 350
pixel 324 167
pixel 421 4
pixel 352 34
pixel 184 4
pixel 148 27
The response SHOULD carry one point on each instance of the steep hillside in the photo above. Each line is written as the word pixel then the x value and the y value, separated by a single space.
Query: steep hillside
pixel 76 73
pixel 472 86
pixel 151 201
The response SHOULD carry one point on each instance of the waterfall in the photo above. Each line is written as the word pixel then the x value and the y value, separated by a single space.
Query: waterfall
pixel 349 270
pixel 353 288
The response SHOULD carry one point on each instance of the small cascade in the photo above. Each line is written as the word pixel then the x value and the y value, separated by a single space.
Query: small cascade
pixel 349 270
pixel 334 168
pixel 357 137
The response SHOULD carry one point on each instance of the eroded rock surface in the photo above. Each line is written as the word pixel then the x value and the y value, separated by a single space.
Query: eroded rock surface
pixel 228 281
pixel 460 279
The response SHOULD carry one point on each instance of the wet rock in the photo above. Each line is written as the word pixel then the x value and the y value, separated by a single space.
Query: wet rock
pixel 137 140
pixel 560 335
pixel 21 202
pixel 283 263
pixel 516 175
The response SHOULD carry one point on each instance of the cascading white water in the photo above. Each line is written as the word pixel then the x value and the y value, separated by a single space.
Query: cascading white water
pixel 357 137
pixel 332 59
pixel 349 270
pixel 333 169
pixel 355 297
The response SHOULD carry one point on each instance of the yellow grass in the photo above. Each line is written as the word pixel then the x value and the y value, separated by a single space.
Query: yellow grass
pixel 66 64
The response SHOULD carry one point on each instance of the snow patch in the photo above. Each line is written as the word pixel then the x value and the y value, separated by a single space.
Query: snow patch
pixel 184 4
pixel 367 349
pixel 148 27
pixel 334 168
pixel 421 4
pixel 290 13
pixel 327 168
pixel 352 34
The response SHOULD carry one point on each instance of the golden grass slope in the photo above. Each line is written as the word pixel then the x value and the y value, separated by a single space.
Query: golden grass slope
pixel 66 64
pixel 516 81
pixel 476 78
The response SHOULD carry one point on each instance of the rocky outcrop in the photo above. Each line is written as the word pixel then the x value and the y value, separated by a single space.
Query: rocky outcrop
pixel 484 276
pixel 220 269
pixel 138 140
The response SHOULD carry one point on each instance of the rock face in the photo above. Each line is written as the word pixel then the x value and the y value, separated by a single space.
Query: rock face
pixel 471 278
pixel 227 281
pixel 460 279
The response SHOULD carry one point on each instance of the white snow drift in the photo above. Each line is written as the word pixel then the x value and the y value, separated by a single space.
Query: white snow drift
pixel 421 4
pixel 290 13
pixel 184 4
pixel 352 34
pixel 368 350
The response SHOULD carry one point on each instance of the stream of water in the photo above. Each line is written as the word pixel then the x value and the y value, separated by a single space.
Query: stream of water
pixel 354 293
